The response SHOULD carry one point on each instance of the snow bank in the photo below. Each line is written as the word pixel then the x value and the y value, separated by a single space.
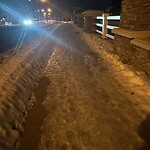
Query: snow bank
pixel 134 81
pixel 18 80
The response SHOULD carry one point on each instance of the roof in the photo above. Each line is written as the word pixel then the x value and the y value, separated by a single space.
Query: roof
pixel 92 13
pixel 79 15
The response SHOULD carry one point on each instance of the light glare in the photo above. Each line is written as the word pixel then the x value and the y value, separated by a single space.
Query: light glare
pixel 28 22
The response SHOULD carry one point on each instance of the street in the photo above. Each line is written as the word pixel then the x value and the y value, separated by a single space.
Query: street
pixel 70 94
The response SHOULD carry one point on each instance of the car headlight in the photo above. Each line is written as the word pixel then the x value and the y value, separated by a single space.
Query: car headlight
pixel 28 22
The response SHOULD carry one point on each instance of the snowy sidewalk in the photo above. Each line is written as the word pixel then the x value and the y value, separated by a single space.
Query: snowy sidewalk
pixel 89 100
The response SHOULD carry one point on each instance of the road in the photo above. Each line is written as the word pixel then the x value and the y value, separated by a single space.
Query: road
pixel 14 38
pixel 80 102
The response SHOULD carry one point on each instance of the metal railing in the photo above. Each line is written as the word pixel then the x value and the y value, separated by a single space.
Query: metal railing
pixel 105 24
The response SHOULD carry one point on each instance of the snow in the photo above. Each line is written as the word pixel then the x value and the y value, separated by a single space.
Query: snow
pixel 86 83
pixel 127 75
pixel 19 74
pixel 91 100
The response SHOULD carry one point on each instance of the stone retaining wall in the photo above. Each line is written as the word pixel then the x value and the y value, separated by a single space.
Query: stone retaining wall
pixel 135 15
pixel 131 54
pixel 141 59
pixel 123 48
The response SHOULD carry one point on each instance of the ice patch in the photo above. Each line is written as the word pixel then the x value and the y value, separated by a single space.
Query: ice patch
pixel 128 73
pixel 136 80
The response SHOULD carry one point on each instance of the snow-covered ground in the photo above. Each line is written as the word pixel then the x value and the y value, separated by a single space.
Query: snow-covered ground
pixel 20 70
pixel 131 79
pixel 85 97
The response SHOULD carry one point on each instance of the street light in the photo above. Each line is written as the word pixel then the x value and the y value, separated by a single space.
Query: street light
pixel 42 10
pixel 43 1
pixel 49 10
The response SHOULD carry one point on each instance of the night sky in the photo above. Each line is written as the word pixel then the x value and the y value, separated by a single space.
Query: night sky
pixel 25 7
pixel 67 4
pixel 85 4
pixel 88 4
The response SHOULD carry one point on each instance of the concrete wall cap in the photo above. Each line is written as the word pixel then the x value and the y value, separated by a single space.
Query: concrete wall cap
pixel 131 34
pixel 143 43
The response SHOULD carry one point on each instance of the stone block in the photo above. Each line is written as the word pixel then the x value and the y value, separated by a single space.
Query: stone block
pixel 141 59
pixel 123 48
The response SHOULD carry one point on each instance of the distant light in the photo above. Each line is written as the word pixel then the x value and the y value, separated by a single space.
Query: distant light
pixel 25 22
pixel 49 10
pixel 42 10
pixel 28 22
pixel 43 1
pixel 8 23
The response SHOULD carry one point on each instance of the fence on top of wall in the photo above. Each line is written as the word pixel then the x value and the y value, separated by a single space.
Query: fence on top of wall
pixel 105 24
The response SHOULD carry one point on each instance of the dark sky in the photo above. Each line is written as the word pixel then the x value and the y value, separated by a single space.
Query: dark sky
pixel 25 7
pixel 65 4
pixel 85 4
pixel 89 4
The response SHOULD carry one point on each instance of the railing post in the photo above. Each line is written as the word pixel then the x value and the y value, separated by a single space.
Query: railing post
pixel 105 23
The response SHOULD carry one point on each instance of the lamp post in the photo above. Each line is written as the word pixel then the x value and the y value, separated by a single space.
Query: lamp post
pixel 45 12
pixel 42 10
pixel 37 6
pixel 44 16
pixel 38 11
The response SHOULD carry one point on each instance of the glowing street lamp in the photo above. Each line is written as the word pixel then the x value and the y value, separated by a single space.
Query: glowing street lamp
pixel 42 10
pixel 43 1
pixel 49 10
